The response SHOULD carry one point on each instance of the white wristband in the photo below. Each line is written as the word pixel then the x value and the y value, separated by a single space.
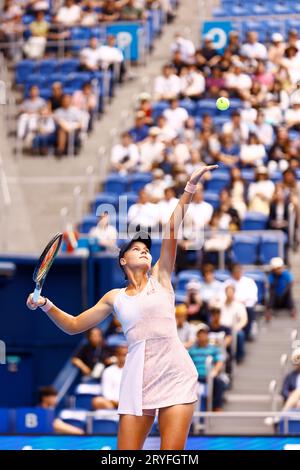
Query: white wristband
pixel 47 306
pixel 190 187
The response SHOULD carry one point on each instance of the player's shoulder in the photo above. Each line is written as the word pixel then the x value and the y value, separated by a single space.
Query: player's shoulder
pixel 111 295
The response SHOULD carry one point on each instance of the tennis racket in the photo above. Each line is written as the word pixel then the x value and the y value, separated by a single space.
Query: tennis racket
pixel 45 263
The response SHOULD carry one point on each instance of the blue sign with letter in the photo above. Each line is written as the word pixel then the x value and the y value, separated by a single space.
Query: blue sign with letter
pixel 218 31
pixel 127 35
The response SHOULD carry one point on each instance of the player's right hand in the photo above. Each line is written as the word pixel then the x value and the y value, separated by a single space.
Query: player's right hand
pixel 34 305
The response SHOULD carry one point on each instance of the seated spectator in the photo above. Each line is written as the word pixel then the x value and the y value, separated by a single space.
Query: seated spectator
pixel 263 130
pixel 215 78
pixel 176 116
pixel 167 85
pixel 69 124
pixel 144 213
pixel 177 62
pixel 237 128
pixel 156 189
pixel 185 330
pixel 234 45
pixel 210 287
pixel 90 56
pixel 234 316
pixel 111 57
pixel 252 48
pixel 125 156
pixel 279 210
pixel 28 115
pixel 110 11
pixel 292 379
pixel 104 234
pixel 69 14
pixel 237 192
pixel 89 16
pixel 197 310
pixel 145 105
pixel 11 30
pixel 85 101
pixel 238 83
pixel 281 150
pixel 230 217
pixel 130 12
pixel 199 210
pixel 45 132
pixel 166 132
pixel 246 293
pixel 140 130
pixel 111 381
pixel 291 63
pixel 280 289
pixel 35 46
pixel 115 330
pixel 56 96
pixel 276 49
pixel 184 46
pixel 199 353
pixel 167 205
pixel 47 400
pixel 209 52
pixel 217 241
pixel 260 192
pixel 219 334
pixel 92 354
pixel 292 116
pixel 253 152
pixel 229 150
pixel 151 150
pixel 192 83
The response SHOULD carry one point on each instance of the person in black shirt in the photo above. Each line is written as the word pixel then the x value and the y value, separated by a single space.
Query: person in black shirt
pixel 56 96
pixel 220 333
pixel 92 353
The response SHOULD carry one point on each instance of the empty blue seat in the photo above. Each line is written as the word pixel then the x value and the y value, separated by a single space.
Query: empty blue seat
pixel 185 276
pixel 254 221
pixel 290 425
pixel 35 79
pixel 77 79
pixel 115 183
pixel 88 222
pixel 220 179
pixel 55 77
pixel 76 418
pixel 84 394
pixel 189 105
pixel 222 275
pixel 67 66
pixel 206 106
pixel 80 37
pixel 245 249
pixel 45 93
pixel 24 69
pixel 47 66
pixel 213 198
pixel 269 248
pixel 137 181
pixel 105 198
pixel 158 108
pixel 104 423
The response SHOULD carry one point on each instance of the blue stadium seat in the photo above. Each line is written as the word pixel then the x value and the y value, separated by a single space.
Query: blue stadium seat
pixel 24 69
pixel 158 108
pixel 6 416
pixel 220 179
pixel 34 420
pixel 98 32
pixel 55 77
pixel 260 280
pixel 88 222
pixel 45 93
pixel 213 198
pixel 293 424
pixel 137 181
pixel 77 79
pixel 222 275
pixel 206 106
pixel 76 418
pixel 104 423
pixel 68 66
pixel 276 176
pixel 189 105
pixel 105 198
pixel 268 248
pixel 81 35
pixel 35 79
pixel 248 174
pixel 185 276
pixel 245 249
pixel 115 340
pixel 130 198
pixel 116 183
pixel 254 221
pixel 84 394
pixel 46 66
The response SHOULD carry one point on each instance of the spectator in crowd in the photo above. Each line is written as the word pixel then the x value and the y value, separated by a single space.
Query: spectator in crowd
pixel 90 56
pixel 281 288
pixel 156 189
pixel 253 152
pixel 56 96
pixel 197 310
pixel 110 11
pixel 69 14
pixel 151 150
pixel 219 334
pixel 167 85
pixel 199 353
pixel 111 57
pixel 92 353
pixel 192 83
pixel 104 234
pixel 184 46
pixel 140 130
pixel 48 400
pixel 208 51
pixel 144 213
pixel 252 48
pixel 85 101
pixel 261 191
pixel 276 49
pixel 176 116
pixel 281 150
pixel 245 292
pixel 111 381
pixel 291 63
pixel 28 115
pixel 230 219
pixel 210 287
pixel 131 12
pixel 237 128
pixel 125 156
pixel 292 379
pixel 44 138
pixel 145 105
pixel 185 330
pixel 35 46
pixel 238 83
pixel 11 29
pixel 234 316
pixel 167 205
pixel 263 130
pixel 237 190
pixel 279 210
pixel 200 211
pixel 69 124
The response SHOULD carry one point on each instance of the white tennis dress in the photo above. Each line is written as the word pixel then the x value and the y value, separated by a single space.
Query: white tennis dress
pixel 158 370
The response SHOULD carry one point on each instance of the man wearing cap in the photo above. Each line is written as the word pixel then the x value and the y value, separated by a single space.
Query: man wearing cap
pixel 200 353
pixel 280 282
pixel 276 49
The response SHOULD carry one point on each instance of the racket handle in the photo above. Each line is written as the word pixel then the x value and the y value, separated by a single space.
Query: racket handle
pixel 36 294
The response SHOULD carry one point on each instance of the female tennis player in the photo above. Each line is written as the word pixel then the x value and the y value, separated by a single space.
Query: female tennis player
pixel 158 373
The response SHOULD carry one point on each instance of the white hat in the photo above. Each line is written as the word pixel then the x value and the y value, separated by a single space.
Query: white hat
pixel 154 130
pixel 276 262
pixel 193 284
pixel 295 357
pixel 277 37
pixel 202 327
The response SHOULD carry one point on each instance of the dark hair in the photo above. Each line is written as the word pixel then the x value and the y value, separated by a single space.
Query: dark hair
pixel 233 266
pixel 47 391
pixel 89 332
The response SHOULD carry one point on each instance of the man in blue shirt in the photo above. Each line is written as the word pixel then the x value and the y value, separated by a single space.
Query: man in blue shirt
pixel 199 353
pixel 140 130
pixel 280 281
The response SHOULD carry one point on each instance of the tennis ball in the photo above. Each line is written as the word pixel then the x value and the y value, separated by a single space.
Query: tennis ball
pixel 222 103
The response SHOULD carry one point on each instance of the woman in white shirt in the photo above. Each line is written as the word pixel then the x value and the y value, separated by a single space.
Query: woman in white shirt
pixel 253 152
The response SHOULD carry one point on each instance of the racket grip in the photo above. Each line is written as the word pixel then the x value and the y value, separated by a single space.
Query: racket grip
pixel 36 294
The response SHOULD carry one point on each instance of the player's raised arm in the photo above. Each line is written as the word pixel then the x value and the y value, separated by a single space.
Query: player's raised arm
pixel 70 324
pixel 165 264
